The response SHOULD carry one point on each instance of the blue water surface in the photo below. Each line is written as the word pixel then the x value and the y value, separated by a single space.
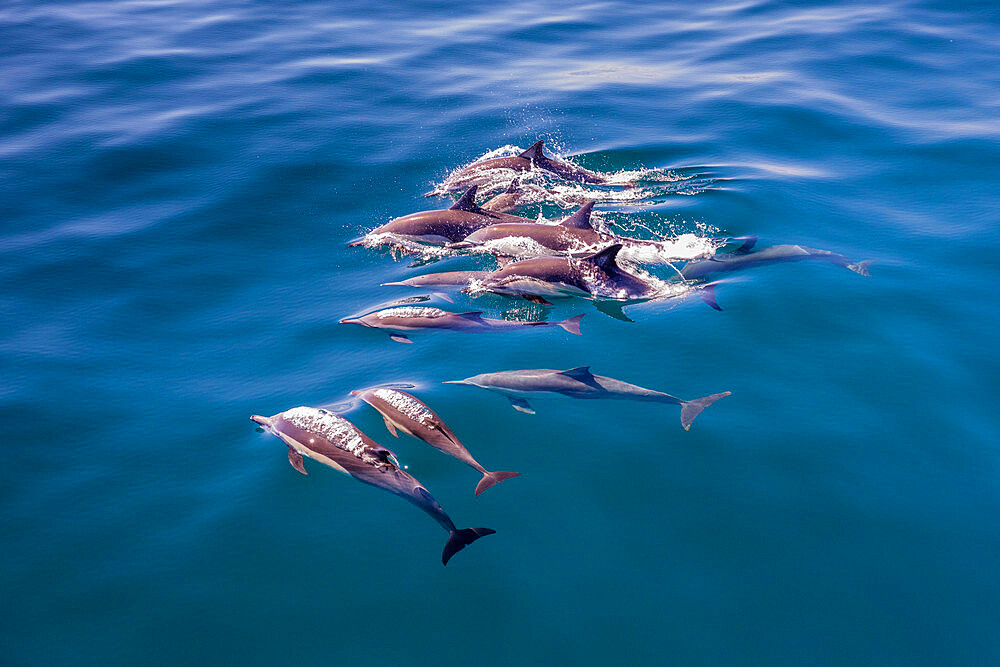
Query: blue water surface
pixel 178 183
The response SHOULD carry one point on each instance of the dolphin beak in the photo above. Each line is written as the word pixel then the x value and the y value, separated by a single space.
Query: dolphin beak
pixel 454 382
pixel 356 242
pixel 348 320
pixel 263 421
pixel 355 392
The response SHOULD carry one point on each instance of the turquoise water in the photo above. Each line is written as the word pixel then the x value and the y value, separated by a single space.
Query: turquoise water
pixel 179 181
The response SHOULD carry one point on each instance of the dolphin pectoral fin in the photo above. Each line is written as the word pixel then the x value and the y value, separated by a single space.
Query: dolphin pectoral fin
pixel 390 426
pixel 613 309
pixel 399 338
pixel 520 405
pixel 534 298
pixel 296 460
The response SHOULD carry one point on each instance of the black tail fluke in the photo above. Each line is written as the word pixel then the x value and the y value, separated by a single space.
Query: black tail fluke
pixel 460 538
pixel 491 478
pixel 691 409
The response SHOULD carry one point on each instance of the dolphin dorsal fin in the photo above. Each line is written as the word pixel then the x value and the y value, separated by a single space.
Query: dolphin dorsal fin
pixel 605 260
pixel 513 187
pixel 580 219
pixel 535 152
pixel 467 201
pixel 748 243
pixel 581 373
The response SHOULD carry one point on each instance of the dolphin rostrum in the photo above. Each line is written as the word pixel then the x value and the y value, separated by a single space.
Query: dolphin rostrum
pixel 440 226
pixel 580 383
pixel 336 442
pixel 415 318
pixel 533 158
pixel 407 413
pixel 743 258
pixel 597 276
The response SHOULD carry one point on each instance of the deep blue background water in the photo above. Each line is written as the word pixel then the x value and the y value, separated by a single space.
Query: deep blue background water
pixel 178 181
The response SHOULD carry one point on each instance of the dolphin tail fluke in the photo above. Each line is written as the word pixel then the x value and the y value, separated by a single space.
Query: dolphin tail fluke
pixel 571 325
pixel 691 409
pixel 861 267
pixel 491 478
pixel 707 294
pixel 461 538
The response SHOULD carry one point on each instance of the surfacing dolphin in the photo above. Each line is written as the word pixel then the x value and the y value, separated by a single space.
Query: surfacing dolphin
pixel 574 234
pixel 744 258
pixel 410 415
pixel 440 226
pixel 580 383
pixel 594 276
pixel 336 442
pixel 415 318
pixel 479 173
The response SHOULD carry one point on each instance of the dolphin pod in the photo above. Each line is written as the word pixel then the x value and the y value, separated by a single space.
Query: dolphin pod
pixel 580 383
pixel 569 258
pixel 332 440
pixel 407 413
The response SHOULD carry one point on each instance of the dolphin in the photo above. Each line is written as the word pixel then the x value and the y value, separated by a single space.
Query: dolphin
pixel 744 258
pixel 415 318
pixel 594 276
pixel 443 279
pixel 509 199
pixel 336 442
pixel 580 383
pixel 479 173
pixel 574 234
pixel 441 226
pixel 407 413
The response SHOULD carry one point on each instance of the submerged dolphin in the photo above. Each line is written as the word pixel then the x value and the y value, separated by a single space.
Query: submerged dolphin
pixel 509 199
pixel 336 442
pixel 533 158
pixel 743 258
pixel 410 415
pixel 415 318
pixel 580 383
pixel 441 226
pixel 443 279
pixel 596 275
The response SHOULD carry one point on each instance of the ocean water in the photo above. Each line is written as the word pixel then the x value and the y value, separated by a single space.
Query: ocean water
pixel 179 180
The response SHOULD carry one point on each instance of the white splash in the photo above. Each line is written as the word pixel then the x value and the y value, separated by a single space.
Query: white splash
pixel 635 186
